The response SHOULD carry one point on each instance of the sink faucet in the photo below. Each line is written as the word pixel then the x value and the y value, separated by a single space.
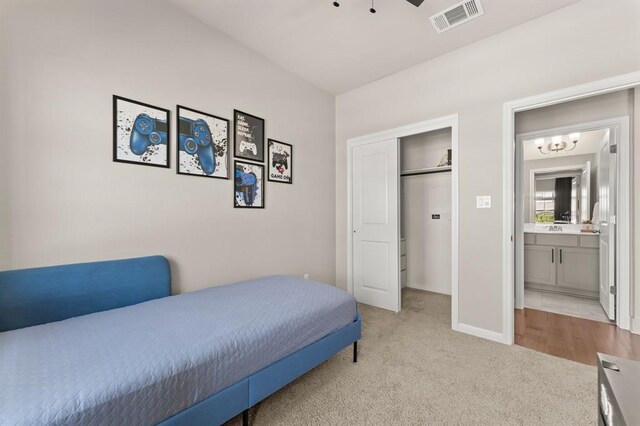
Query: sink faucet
pixel 555 228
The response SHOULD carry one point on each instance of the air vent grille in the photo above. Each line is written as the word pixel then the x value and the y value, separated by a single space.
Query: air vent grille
pixel 456 15
pixel 472 8
pixel 441 23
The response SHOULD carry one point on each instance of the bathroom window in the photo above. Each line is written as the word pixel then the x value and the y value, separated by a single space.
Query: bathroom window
pixel 545 203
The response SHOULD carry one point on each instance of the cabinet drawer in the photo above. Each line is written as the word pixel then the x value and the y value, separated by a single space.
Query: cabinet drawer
pixel 591 241
pixel 403 263
pixel 403 246
pixel 529 238
pixel 557 240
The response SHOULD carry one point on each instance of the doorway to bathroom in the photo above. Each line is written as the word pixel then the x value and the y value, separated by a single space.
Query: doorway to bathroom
pixel 572 220
pixel 565 241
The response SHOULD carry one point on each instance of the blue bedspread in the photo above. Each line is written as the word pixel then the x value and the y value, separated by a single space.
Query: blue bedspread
pixel 144 363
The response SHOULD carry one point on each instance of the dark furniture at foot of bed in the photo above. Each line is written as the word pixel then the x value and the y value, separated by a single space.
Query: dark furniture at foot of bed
pixel 104 342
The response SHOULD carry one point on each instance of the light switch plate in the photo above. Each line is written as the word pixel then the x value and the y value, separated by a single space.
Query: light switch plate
pixel 483 202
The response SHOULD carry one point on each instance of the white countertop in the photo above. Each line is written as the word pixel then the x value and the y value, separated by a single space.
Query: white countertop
pixel 532 228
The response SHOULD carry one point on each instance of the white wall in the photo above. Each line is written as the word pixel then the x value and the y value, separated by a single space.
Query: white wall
pixel 587 41
pixel 428 240
pixel 595 108
pixel 4 159
pixel 70 203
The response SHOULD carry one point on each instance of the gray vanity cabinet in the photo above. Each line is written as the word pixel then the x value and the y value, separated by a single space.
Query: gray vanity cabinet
pixel 566 264
pixel 578 268
pixel 539 264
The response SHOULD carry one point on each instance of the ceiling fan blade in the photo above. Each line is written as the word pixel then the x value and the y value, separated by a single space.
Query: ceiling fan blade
pixel 416 3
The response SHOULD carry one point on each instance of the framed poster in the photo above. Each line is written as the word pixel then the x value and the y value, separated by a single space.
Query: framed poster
pixel 203 144
pixel 280 159
pixel 249 185
pixel 140 133
pixel 249 136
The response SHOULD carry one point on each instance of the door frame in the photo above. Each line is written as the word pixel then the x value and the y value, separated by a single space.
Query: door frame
pixel 600 87
pixel 620 135
pixel 449 121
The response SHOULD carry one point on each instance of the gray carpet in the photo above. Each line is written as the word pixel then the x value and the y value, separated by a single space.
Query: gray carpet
pixel 412 369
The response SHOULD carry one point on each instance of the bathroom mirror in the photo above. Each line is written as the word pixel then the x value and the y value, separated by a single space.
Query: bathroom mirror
pixel 561 195
pixel 556 199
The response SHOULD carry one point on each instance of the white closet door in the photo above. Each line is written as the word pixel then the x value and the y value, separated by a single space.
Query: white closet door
pixel 375 224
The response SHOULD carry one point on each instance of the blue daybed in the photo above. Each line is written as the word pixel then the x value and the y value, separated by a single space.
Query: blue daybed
pixel 106 343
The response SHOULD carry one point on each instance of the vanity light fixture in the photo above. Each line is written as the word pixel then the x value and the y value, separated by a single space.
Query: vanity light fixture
pixel 558 143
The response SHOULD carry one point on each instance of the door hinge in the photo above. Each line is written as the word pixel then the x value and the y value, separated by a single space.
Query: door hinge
pixel 613 149
pixel 613 290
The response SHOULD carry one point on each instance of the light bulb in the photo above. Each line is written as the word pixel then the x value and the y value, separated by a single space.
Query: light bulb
pixel 574 136
pixel 540 142
pixel 557 140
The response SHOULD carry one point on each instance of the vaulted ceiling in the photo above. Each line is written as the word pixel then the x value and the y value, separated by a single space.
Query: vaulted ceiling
pixel 341 48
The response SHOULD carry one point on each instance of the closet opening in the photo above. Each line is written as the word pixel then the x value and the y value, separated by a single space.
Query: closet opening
pixel 402 216
pixel 425 213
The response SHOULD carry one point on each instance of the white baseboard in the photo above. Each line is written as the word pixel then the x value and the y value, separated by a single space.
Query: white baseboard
pixel 427 288
pixel 635 326
pixel 481 332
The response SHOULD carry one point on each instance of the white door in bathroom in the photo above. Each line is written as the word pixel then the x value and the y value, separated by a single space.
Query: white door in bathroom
pixel 607 172
pixel 375 180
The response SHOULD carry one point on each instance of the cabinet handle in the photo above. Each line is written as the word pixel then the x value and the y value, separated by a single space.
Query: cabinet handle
pixel 560 255
pixel 552 255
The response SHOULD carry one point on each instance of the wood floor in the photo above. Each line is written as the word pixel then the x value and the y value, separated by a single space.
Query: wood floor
pixel 573 338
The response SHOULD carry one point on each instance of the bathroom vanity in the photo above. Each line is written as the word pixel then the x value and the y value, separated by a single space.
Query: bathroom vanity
pixel 565 261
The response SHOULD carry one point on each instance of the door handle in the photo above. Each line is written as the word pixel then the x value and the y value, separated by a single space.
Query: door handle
pixel 553 255
pixel 560 255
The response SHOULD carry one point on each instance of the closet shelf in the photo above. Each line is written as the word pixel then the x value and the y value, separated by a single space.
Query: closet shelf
pixel 425 171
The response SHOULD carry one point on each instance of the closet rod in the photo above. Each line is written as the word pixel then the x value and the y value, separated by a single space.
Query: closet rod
pixel 426 171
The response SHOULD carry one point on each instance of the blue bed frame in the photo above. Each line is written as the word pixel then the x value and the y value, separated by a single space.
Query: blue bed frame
pixel 37 296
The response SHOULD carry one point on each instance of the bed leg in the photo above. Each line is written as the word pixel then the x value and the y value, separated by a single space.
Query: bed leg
pixel 245 418
pixel 355 351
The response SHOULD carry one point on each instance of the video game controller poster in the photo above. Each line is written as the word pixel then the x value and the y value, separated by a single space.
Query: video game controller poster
pixel 140 133
pixel 249 136
pixel 249 185
pixel 280 158
pixel 203 144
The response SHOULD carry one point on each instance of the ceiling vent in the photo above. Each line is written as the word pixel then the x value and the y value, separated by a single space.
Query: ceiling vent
pixel 456 15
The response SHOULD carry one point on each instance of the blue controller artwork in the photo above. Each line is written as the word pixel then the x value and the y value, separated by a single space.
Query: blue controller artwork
pixel 147 132
pixel 246 186
pixel 194 138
